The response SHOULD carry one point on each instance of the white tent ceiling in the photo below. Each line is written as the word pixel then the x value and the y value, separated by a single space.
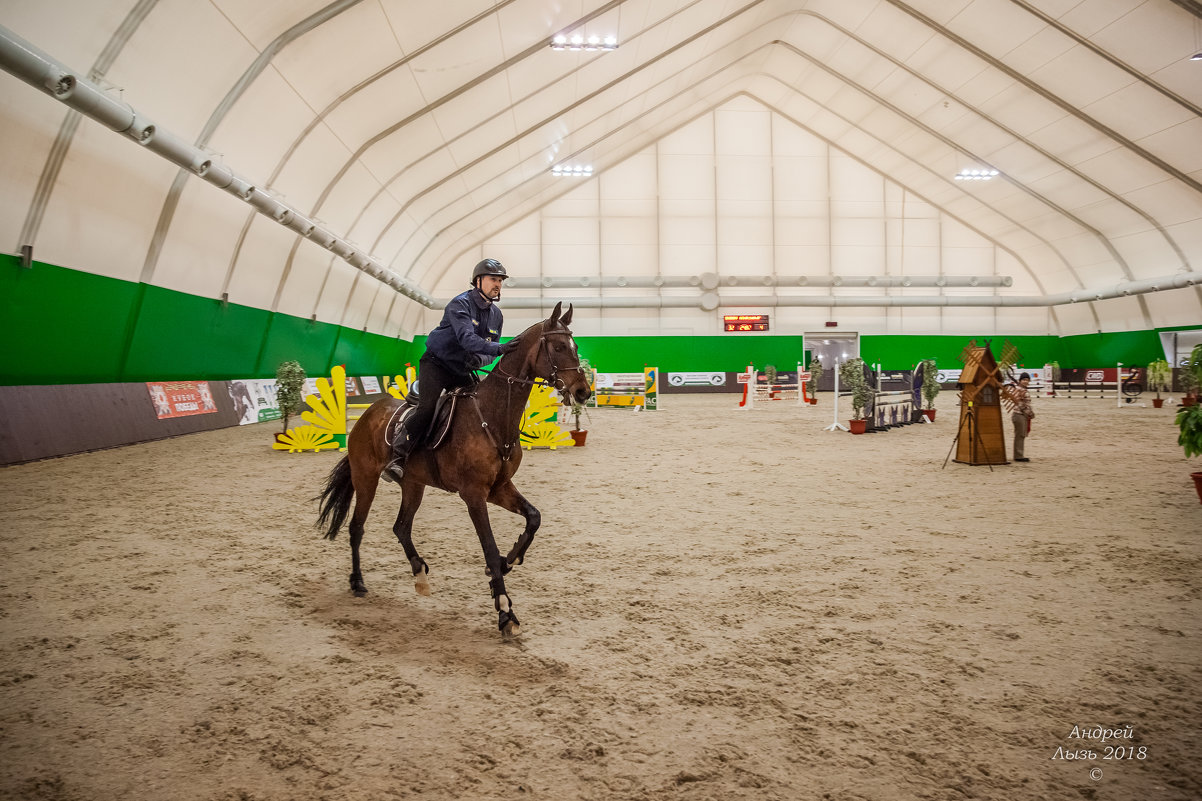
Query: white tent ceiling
pixel 418 133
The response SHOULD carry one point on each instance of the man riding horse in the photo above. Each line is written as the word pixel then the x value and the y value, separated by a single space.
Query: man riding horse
pixel 465 340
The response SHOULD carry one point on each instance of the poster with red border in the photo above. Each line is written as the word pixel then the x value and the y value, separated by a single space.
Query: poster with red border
pixel 181 398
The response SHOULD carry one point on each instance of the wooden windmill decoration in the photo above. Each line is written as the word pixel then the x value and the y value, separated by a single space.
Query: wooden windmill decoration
pixel 980 438
pixel 1010 357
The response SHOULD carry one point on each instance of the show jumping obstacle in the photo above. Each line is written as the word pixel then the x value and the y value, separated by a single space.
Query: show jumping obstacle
pixel 638 391
pixel 886 409
pixel 754 391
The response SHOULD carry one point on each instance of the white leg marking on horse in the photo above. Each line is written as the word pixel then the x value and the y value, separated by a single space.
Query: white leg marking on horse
pixel 503 602
pixel 421 583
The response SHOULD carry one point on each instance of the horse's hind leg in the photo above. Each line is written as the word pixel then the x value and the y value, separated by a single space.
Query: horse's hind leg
pixel 507 497
pixel 411 499
pixel 477 507
pixel 363 499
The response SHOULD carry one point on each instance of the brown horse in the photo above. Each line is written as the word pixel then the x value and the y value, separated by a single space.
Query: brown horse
pixel 477 458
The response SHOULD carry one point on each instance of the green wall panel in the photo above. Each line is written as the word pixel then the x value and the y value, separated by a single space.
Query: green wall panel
pixel 690 354
pixel 62 326
pixel 1104 350
pixel 371 354
pixel 291 338
pixel 903 352
pixel 180 337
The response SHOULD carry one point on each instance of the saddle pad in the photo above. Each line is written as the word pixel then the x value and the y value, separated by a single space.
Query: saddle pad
pixel 444 413
pixel 440 425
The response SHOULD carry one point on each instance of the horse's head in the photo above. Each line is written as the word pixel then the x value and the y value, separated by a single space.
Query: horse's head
pixel 555 358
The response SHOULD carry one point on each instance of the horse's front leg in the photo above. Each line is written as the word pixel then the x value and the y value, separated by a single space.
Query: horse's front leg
pixel 507 497
pixel 411 499
pixel 477 508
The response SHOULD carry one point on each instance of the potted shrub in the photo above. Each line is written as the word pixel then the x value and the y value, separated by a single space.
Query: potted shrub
pixel 1190 376
pixel 578 434
pixel 1160 377
pixel 930 387
pixel 770 379
pixel 1189 421
pixel 289 390
pixel 851 376
pixel 815 374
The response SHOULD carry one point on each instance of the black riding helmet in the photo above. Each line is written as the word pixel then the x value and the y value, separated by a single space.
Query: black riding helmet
pixel 488 267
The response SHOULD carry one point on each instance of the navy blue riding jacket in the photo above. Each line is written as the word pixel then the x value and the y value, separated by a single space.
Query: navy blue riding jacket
pixel 467 338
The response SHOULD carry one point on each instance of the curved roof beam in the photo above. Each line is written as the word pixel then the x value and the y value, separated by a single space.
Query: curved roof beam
pixel 66 132
pixel 881 101
pixel 1064 212
pixel 1064 105
pixel 358 154
pixel 541 45
pixel 1034 275
pixel 900 65
pixel 171 203
pixel 318 120
pixel 1052 22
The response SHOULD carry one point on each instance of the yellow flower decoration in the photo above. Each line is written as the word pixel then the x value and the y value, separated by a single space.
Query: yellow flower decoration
pixel 399 387
pixel 539 429
pixel 305 438
pixel 329 405
pixel 546 435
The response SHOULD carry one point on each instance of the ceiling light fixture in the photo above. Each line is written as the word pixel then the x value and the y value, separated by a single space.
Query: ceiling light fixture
pixel 576 41
pixel 976 175
pixel 569 171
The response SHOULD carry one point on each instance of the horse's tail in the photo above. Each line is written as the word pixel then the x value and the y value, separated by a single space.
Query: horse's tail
pixel 336 498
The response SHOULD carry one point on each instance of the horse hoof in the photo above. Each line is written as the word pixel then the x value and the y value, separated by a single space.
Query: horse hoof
pixel 359 592
pixel 422 586
pixel 508 624
pixel 357 585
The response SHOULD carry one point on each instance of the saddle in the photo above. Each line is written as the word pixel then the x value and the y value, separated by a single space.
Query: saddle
pixel 440 424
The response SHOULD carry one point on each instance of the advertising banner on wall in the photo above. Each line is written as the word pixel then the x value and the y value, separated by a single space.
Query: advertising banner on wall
pixel 181 398
pixel 697 379
pixel 254 400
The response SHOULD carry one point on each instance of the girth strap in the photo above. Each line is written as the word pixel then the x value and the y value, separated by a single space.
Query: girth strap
pixel 502 450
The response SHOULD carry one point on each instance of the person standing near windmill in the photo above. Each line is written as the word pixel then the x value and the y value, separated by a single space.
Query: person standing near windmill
pixel 1021 415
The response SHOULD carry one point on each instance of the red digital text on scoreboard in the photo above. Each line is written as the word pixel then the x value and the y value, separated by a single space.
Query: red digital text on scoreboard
pixel 744 322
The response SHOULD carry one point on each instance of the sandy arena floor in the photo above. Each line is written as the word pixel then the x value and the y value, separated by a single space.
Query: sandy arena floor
pixel 719 605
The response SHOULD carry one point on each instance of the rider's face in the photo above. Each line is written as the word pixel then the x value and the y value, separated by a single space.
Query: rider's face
pixel 490 286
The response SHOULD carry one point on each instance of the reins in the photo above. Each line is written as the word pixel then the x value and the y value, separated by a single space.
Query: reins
pixel 510 380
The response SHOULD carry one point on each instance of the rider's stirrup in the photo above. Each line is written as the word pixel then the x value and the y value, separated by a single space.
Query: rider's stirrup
pixel 394 471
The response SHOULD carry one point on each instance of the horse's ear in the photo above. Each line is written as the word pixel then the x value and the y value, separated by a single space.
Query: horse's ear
pixel 554 318
pixel 567 318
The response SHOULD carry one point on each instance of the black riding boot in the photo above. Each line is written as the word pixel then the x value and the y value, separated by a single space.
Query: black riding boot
pixel 401 447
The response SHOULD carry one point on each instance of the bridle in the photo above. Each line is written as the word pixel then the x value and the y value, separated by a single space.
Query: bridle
pixel 559 384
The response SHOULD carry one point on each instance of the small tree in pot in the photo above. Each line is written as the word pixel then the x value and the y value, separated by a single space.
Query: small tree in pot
pixel 579 435
pixel 816 371
pixel 1190 376
pixel 1189 422
pixel 851 375
pixel 1160 377
pixel 289 390
pixel 930 386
